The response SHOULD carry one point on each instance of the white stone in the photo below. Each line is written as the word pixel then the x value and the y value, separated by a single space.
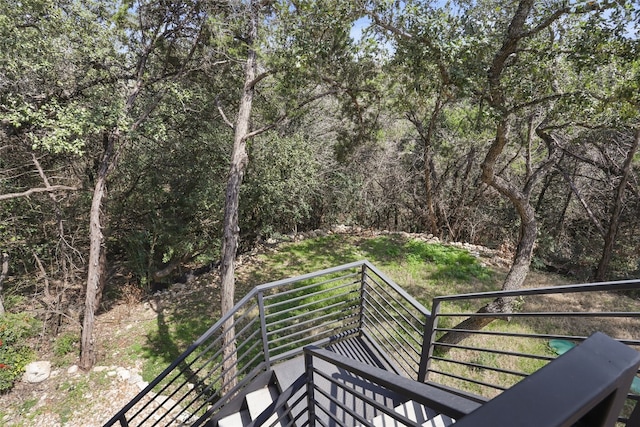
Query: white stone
pixel 36 372
pixel 123 374
pixel 135 378
pixel 100 368
pixel 73 369
pixel 141 385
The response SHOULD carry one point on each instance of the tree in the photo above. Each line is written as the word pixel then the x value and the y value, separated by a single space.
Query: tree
pixel 100 75
pixel 271 38
pixel 528 102
pixel 155 32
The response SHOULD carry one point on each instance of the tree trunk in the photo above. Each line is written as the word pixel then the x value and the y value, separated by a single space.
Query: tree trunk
pixel 3 275
pixel 521 261
pixel 239 161
pixel 519 199
pixel 95 274
pixel 610 236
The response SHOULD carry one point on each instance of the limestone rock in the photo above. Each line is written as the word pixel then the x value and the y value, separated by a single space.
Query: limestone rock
pixel 36 372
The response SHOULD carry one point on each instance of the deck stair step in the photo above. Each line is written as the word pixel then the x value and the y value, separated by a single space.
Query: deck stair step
pixel 255 403
pixel 416 413
pixel 237 419
pixel 260 400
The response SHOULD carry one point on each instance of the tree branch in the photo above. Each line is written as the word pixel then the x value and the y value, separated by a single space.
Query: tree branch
pixel 582 201
pixel 37 190
pixel 224 116
pixel 283 116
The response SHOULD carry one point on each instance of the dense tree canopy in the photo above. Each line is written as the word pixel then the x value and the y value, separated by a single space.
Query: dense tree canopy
pixel 142 137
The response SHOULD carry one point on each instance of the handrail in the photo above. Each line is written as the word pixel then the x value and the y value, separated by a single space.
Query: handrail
pixel 618 285
pixel 421 308
pixel 450 404
pixel 496 357
pixel 393 320
pixel 273 322
pixel 586 386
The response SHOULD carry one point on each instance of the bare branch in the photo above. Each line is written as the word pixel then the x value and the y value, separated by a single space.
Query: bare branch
pixel 40 170
pixel 582 201
pixel 259 78
pixel 37 190
pixel 548 98
pixel 3 275
pixel 44 276
pixel 224 116
pixel 548 21
pixel 392 29
pixel 283 116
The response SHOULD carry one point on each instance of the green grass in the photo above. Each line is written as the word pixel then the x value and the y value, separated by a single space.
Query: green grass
pixel 425 270
pixel 420 267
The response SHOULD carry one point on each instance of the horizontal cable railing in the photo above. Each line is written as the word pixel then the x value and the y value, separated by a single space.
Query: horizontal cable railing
pixel 290 407
pixel 272 323
pixel 363 393
pixel 393 320
pixel 543 323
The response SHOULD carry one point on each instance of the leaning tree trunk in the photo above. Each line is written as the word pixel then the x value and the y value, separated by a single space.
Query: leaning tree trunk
pixel 610 236
pixel 239 161
pixel 519 199
pixel 522 258
pixel 95 274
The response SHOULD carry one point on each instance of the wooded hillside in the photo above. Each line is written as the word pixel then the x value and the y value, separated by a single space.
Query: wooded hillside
pixel 142 137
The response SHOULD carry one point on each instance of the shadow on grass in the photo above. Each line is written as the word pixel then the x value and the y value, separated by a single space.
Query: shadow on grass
pixel 178 325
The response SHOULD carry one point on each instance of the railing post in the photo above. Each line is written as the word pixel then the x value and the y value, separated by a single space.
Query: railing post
pixel 428 338
pixel 311 402
pixel 634 419
pixel 263 329
pixel 363 283
pixel 123 421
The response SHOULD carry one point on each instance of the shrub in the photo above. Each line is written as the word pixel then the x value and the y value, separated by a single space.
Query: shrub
pixel 65 344
pixel 14 353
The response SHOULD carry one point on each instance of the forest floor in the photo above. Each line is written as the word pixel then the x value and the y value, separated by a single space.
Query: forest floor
pixel 134 350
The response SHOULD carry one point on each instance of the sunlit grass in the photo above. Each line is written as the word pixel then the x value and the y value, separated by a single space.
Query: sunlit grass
pixel 425 270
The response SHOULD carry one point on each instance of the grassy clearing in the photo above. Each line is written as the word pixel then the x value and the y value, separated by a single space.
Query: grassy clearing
pixel 425 270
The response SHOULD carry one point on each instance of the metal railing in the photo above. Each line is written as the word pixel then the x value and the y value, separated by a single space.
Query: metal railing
pixel 347 400
pixel 272 323
pixel 588 387
pixel 276 320
pixel 491 360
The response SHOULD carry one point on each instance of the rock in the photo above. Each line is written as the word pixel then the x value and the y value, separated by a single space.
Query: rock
pixel 100 368
pixel 135 378
pixel 36 372
pixel 123 374
pixel 340 229
pixel 73 369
